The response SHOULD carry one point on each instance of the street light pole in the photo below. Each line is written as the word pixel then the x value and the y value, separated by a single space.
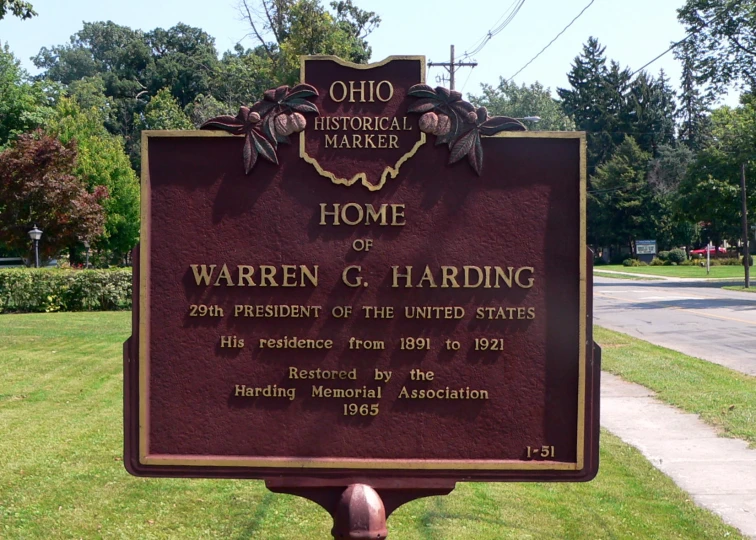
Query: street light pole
pixel 35 235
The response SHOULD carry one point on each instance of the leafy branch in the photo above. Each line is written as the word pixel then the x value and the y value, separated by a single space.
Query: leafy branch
pixel 457 123
pixel 268 122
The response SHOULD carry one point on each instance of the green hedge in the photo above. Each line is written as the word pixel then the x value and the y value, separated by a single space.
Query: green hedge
pixel 51 289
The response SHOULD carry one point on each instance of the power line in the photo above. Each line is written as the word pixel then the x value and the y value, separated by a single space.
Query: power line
pixel 691 34
pixel 499 25
pixel 465 83
pixel 552 41
pixel 665 52
pixel 515 9
pixel 487 34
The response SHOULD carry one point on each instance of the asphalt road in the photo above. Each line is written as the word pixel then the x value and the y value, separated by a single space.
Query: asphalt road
pixel 697 318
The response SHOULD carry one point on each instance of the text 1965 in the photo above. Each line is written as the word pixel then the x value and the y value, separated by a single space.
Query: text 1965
pixel 352 409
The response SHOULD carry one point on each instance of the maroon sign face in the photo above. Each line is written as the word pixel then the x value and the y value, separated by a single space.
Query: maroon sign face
pixel 352 311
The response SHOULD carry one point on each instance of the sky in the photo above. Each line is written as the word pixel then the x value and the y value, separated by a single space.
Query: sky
pixel 634 32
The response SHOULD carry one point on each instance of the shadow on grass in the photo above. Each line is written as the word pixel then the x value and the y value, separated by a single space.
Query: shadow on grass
pixel 435 516
pixel 257 518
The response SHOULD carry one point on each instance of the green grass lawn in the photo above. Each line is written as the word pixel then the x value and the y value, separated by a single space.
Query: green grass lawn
pixel 61 474
pixel 722 397
pixel 735 272
pixel 752 288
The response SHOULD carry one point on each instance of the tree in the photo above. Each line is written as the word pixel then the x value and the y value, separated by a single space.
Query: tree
pixel 205 107
pixel 597 101
pixel 133 66
pixel 243 75
pixel 693 114
pixel 669 168
pixel 628 209
pixel 722 42
pixel 101 162
pixel 183 59
pixel 358 24
pixel 652 105
pixel 38 186
pixel 710 192
pixel 508 99
pixel 19 8
pixel 163 112
pixel 666 172
pixel 285 29
pixel 23 104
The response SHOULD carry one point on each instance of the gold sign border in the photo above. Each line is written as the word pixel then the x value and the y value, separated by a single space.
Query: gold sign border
pixel 359 177
pixel 145 458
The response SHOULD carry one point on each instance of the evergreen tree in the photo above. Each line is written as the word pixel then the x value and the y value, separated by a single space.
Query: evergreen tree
pixel 597 101
pixel 652 103
pixel 627 207
pixel 693 114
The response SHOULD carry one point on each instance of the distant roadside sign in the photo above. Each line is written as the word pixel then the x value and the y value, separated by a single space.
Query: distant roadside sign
pixel 645 247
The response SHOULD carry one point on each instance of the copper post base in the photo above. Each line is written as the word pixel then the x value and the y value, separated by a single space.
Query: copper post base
pixel 360 515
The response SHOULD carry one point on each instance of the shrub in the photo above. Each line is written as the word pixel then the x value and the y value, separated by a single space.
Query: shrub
pixel 729 261
pixel 677 256
pixel 628 262
pixel 657 262
pixel 663 255
pixel 47 290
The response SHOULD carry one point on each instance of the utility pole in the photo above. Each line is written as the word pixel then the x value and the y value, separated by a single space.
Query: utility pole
pixel 744 220
pixel 452 66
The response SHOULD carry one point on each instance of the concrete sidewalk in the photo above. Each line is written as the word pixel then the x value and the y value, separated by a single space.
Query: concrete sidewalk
pixel 718 473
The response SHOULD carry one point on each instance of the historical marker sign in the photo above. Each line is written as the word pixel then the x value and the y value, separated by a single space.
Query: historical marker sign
pixel 327 290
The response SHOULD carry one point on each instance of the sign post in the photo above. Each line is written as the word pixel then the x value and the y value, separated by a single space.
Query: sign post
pixel 362 290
